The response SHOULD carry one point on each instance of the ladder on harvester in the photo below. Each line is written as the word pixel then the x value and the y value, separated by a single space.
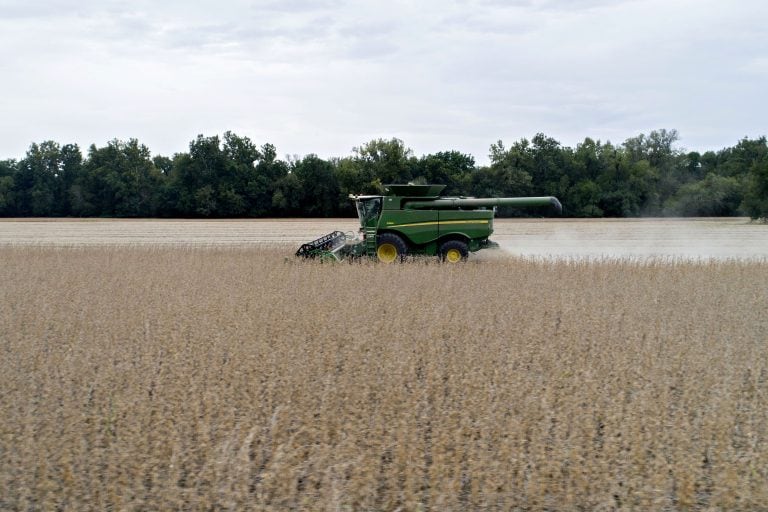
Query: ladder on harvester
pixel 327 246
pixel 370 241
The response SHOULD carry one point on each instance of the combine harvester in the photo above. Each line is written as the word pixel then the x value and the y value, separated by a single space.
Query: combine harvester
pixel 414 219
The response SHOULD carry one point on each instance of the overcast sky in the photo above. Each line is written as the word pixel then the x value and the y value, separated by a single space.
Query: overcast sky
pixel 324 76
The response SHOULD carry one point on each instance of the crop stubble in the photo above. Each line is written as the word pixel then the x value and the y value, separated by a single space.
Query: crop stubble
pixel 196 378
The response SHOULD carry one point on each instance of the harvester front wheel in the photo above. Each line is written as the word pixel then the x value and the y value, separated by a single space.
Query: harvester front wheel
pixel 390 248
pixel 454 251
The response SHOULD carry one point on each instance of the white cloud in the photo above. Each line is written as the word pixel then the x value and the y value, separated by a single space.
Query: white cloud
pixel 326 76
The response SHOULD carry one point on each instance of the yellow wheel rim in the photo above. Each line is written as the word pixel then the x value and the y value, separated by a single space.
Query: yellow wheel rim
pixel 453 256
pixel 387 253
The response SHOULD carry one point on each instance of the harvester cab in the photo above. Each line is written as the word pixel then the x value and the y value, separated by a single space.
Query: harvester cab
pixel 416 220
pixel 368 209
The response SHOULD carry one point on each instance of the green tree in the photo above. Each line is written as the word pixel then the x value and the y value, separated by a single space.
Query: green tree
pixel 287 199
pixel 269 171
pixel 626 188
pixel 509 174
pixel 317 185
pixel 588 162
pixel 389 161
pixel 738 160
pixel 450 168
pixel 756 196
pixel 579 189
pixel 352 178
pixel 194 177
pixel 71 171
pixel 708 162
pixel 7 173
pixel 663 174
pixel 163 164
pixel 232 179
pixel 121 180
pixel 583 199
pixel 204 179
pixel 240 168
pixel 714 196
pixel 550 166
pixel 44 177
pixel 37 175
pixel 693 165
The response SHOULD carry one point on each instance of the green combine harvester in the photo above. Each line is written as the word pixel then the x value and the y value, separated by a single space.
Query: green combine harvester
pixel 415 220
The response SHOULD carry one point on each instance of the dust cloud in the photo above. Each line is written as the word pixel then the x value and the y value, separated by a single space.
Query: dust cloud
pixel 700 238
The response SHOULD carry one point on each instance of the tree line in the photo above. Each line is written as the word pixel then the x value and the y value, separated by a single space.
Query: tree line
pixel 231 176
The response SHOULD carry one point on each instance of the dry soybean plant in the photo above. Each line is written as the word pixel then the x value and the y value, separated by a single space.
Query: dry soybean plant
pixel 213 379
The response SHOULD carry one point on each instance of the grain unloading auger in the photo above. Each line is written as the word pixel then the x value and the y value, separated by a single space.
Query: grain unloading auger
pixel 414 219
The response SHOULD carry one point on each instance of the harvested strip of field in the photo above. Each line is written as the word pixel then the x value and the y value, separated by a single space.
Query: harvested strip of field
pixel 197 379
pixel 718 238
pixel 174 232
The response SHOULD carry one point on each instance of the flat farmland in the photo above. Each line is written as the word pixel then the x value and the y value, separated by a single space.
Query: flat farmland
pixel 686 238
pixel 191 365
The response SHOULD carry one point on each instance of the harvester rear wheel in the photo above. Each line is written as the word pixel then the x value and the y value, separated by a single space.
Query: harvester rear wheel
pixel 454 251
pixel 390 248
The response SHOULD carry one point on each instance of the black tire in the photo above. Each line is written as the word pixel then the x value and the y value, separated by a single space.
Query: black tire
pixel 390 248
pixel 453 251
